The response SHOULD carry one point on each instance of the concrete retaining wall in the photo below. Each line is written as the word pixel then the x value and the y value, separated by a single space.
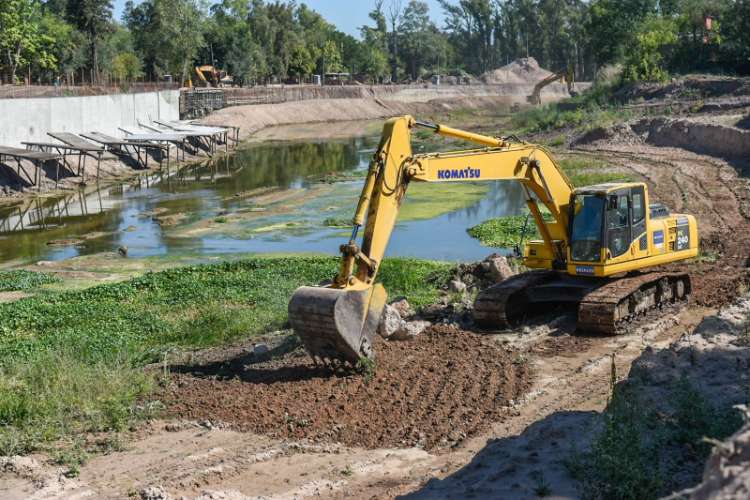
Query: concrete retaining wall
pixel 31 119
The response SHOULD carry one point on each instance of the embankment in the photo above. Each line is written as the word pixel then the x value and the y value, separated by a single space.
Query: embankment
pixel 700 136
pixel 372 103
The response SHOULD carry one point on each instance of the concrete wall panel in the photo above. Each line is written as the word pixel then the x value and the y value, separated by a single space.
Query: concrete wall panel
pixel 31 119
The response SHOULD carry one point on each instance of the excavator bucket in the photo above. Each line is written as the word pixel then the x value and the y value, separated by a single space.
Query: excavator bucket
pixel 337 324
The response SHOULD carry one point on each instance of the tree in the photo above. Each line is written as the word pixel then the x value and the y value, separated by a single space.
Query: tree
pixel 21 40
pixel 394 15
pixel 302 62
pixel 737 30
pixel 93 18
pixel 167 33
pixel 422 42
pixel 373 59
pixel 332 58
pixel 644 60
pixel 471 24
pixel 126 66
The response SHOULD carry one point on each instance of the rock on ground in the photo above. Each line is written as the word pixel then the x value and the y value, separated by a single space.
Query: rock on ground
pixel 410 330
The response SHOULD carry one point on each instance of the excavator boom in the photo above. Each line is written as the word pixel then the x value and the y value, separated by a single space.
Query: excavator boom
pixel 601 223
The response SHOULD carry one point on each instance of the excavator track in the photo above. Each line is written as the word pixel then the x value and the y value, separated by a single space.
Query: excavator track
pixel 499 305
pixel 606 307
pixel 616 306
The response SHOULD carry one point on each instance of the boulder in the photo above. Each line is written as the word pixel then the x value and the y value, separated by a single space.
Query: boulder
pixel 499 269
pixel 154 493
pixel 403 307
pixel 457 286
pixel 390 322
pixel 410 330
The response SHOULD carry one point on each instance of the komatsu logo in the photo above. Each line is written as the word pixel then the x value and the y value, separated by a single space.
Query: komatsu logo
pixel 455 173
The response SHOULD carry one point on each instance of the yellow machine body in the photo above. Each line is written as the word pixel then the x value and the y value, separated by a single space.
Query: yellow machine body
pixel 612 227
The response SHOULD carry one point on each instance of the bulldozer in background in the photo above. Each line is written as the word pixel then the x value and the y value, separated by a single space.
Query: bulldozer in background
pixel 596 242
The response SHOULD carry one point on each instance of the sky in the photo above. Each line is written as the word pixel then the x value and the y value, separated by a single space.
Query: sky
pixel 347 15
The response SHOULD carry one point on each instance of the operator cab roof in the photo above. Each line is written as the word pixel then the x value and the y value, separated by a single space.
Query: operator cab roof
pixel 606 187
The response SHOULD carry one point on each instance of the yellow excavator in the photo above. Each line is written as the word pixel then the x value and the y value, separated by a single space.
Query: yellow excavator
pixel 565 76
pixel 596 241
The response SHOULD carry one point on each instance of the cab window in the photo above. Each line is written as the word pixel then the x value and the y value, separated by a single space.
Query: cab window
pixel 586 231
pixel 639 209
pixel 618 224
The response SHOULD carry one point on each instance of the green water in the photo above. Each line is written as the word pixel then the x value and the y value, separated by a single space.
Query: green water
pixel 267 198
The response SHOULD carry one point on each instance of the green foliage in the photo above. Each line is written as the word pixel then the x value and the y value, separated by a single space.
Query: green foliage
pixel 332 58
pixel 167 33
pixel 629 457
pixel 126 67
pixel 366 367
pixel 695 419
pixel 622 463
pixel 644 59
pixel 21 39
pixel 20 279
pixel 553 117
pixel 504 232
pixel 55 393
pixel 70 362
pixel 334 222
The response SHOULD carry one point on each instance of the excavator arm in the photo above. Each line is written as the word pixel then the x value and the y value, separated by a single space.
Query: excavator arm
pixel 565 75
pixel 338 321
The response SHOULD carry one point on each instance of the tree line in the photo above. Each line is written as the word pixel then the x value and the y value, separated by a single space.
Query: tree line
pixel 257 41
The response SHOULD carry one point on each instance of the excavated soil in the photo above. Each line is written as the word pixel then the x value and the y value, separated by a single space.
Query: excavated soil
pixel 432 392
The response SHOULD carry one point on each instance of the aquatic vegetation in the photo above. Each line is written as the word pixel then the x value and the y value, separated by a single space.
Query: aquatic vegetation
pixel 337 222
pixel 71 361
pixel 20 280
pixel 427 201
pixel 504 232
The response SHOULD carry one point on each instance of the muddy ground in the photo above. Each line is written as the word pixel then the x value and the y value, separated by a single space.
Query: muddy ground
pixel 520 403
pixel 431 392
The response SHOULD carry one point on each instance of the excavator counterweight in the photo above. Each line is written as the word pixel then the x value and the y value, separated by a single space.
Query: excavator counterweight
pixel 595 243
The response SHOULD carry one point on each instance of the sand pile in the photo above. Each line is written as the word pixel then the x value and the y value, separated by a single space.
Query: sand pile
pixel 522 71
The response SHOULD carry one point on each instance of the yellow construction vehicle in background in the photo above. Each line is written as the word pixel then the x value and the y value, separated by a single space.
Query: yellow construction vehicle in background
pixel 209 76
pixel 595 240
pixel 564 76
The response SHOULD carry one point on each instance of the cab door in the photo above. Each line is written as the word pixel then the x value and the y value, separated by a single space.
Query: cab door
pixel 639 236
pixel 618 225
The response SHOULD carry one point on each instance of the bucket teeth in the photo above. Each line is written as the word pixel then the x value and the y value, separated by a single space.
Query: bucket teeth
pixel 334 324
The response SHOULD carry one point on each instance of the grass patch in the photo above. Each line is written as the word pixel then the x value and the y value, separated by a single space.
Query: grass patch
pixel 556 117
pixel 590 178
pixel 504 232
pixel 21 280
pixel 426 201
pixel 640 449
pixel 70 362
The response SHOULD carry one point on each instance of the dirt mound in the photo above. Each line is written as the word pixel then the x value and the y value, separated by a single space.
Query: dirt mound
pixel 525 71
pixel 432 392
